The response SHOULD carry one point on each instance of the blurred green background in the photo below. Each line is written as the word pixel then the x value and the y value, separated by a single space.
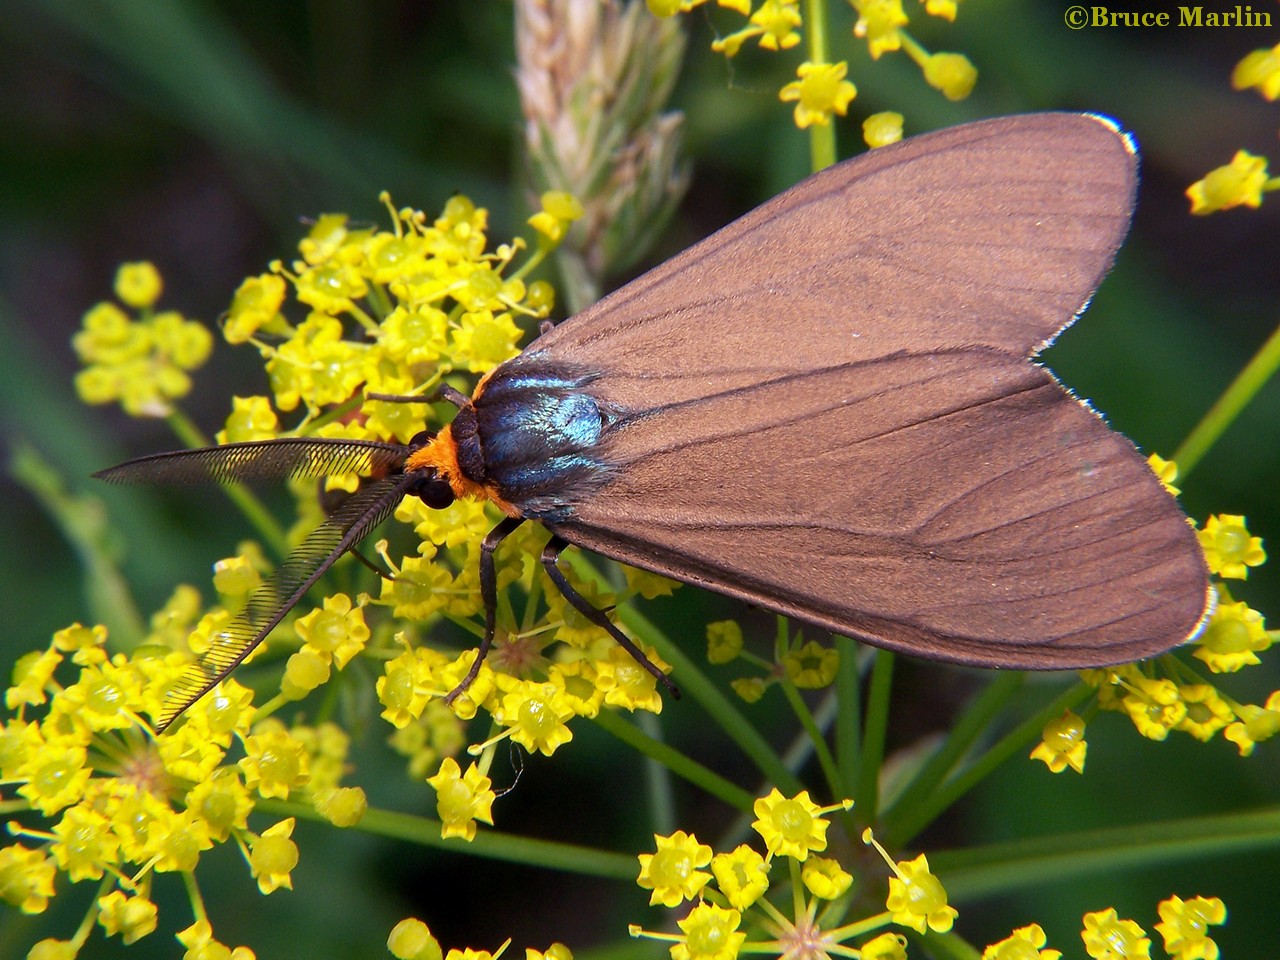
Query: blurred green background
pixel 198 134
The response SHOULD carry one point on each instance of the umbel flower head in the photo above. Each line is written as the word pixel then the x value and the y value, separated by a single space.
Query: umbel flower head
pixel 358 310
pixel 821 89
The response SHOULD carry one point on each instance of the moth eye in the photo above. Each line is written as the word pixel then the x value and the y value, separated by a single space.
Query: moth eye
pixel 422 438
pixel 433 491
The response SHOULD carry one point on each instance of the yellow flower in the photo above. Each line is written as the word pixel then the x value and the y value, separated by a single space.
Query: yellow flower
pixel 559 210
pixel 821 91
pixel 484 339
pixel 325 238
pixel 418 588
pixel 775 23
pixel 31 675
pixel 142 364
pixel 724 641
pixel 825 878
pixel 343 807
pixel 1228 547
pixel 84 844
pixel 55 774
pixel 251 418
pixel 1255 725
pixel 1166 470
pixel 273 855
pixel 673 872
pixel 917 898
pixel 222 802
pixel 1063 744
pixel 887 946
pixel 1106 937
pixel 1154 706
pixel 130 917
pixel 882 129
pixel 1260 69
pixel 235 578
pixel 750 689
pixel 275 762
pixel 710 933
pixel 26 878
pixel 631 685
pixel 1025 943
pixel 946 9
pixel 256 304
pixel 1239 183
pixel 411 939
pixel 742 876
pixel 878 23
pixel 200 944
pixel 952 73
pixel 337 632
pixel 461 799
pixel 791 827
pixel 138 284
pixel 535 715
pixel 175 840
pixel 648 585
pixel 1184 924
pixel 1234 637
pixel 812 666
pixel 414 334
pixel 1206 711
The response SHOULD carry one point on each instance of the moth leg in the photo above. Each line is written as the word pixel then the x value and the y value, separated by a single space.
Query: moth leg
pixel 444 392
pixel 489 594
pixel 550 554
pixel 371 565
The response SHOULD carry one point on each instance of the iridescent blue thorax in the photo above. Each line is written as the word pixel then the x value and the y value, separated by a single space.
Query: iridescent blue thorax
pixel 532 433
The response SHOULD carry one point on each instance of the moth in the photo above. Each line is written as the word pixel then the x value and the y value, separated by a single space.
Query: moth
pixel 830 408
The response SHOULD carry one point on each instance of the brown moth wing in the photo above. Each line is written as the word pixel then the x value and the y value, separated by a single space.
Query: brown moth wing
pixel 828 409
pixel 993 233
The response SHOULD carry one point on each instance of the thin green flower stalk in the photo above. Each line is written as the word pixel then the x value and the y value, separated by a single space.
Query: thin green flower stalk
pixel 594 78
pixel 821 89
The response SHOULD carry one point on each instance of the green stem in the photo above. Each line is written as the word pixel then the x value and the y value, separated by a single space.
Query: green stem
pixel 973 723
pixel 835 783
pixel 877 726
pixel 673 760
pixel 657 777
pixel 693 682
pixel 1228 406
pixel 849 718
pixel 699 688
pixel 1002 868
pixel 492 844
pixel 822 136
pixel 902 829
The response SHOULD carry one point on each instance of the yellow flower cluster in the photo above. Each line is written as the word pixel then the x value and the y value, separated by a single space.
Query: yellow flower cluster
pixel 805 663
pixel 1167 695
pixel 729 889
pixel 821 89
pixel 122 808
pixel 732 914
pixel 1243 181
pixel 411 939
pixel 360 310
pixel 141 362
